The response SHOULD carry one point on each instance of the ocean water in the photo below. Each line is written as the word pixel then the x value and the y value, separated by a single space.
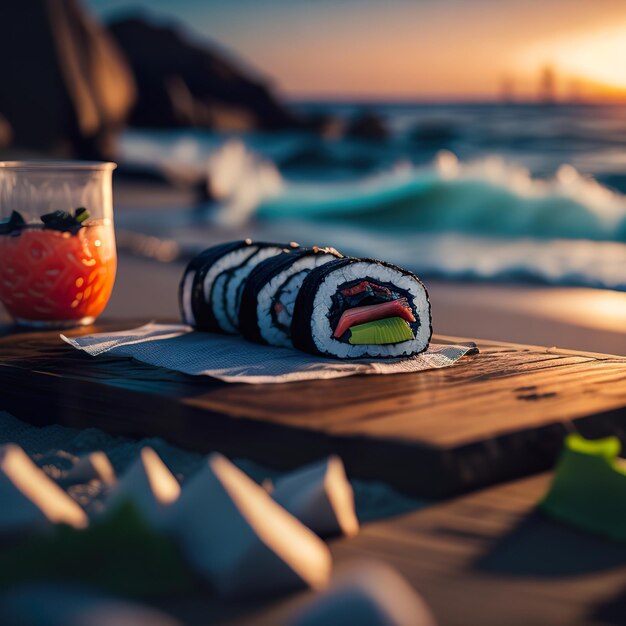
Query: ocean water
pixel 481 192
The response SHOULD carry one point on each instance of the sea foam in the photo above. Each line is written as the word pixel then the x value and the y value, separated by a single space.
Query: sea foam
pixel 484 218
pixel 484 197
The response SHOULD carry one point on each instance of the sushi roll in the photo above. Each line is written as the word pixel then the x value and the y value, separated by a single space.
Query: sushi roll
pixel 358 308
pixel 204 288
pixel 271 290
pixel 227 293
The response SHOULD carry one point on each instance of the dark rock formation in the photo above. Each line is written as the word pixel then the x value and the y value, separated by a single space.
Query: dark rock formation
pixel 326 124
pixel 181 83
pixel 368 125
pixel 6 133
pixel 65 86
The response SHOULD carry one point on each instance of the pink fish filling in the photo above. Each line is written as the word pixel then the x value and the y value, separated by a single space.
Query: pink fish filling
pixel 373 312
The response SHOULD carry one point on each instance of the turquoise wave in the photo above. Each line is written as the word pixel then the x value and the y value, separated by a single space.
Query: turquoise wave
pixel 481 199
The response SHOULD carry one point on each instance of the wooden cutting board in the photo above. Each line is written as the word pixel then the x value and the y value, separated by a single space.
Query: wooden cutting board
pixel 493 416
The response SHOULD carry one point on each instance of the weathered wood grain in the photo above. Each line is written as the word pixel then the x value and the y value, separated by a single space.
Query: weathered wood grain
pixel 494 416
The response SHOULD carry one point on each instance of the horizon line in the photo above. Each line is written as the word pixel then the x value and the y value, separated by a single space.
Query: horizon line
pixel 411 100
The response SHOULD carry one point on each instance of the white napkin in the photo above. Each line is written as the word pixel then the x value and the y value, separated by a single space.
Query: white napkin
pixel 235 360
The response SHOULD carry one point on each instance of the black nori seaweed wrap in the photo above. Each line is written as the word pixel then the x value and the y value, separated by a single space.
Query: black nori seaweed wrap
pixel 301 330
pixel 301 324
pixel 259 277
pixel 200 265
pixel 287 247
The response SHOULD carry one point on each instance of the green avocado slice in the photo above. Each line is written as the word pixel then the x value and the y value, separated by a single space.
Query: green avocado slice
pixel 388 330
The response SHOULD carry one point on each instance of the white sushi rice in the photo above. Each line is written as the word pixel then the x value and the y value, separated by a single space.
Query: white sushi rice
pixel 238 278
pixel 322 332
pixel 214 288
pixel 272 334
pixel 286 297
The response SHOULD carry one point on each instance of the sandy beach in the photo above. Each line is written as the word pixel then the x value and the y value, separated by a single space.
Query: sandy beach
pixel 567 317
pixel 146 288
pixel 317 457
pixel 580 319
pixel 577 319
pixel 328 181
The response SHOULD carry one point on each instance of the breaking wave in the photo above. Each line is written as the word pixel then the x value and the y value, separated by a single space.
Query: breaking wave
pixel 484 197
pixel 483 218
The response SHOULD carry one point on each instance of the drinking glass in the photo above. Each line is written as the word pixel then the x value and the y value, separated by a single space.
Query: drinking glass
pixel 57 242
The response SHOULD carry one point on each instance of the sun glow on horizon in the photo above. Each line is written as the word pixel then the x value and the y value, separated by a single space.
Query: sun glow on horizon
pixel 596 59
pixel 453 50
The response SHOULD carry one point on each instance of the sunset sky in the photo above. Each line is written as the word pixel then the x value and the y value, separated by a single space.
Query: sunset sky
pixel 413 49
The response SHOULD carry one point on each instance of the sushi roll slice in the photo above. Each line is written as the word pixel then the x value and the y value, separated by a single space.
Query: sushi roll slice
pixel 358 308
pixel 270 294
pixel 228 287
pixel 204 284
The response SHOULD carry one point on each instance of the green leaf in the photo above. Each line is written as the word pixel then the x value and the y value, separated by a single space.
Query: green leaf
pixel 120 553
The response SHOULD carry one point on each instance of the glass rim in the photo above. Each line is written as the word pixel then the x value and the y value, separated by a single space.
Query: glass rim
pixel 52 164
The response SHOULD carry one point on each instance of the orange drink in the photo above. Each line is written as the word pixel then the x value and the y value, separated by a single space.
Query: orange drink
pixel 57 262
pixel 51 275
